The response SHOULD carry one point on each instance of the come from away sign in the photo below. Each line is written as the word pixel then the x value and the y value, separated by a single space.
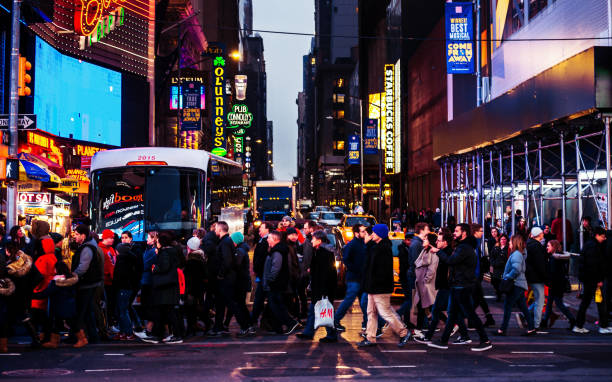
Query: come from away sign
pixel 459 38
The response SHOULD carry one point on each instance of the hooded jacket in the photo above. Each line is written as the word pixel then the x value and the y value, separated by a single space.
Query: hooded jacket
pixel 276 269
pixel 46 266
pixel 259 256
pixel 323 274
pixel 196 275
pixel 126 274
pixel 110 259
pixel 61 295
pixel 243 268
pixel 378 275
pixel 592 262
pixel 462 265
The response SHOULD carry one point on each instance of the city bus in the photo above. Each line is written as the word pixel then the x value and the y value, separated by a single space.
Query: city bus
pixel 161 188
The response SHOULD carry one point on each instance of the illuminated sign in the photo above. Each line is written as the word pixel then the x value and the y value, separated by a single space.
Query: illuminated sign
pixel 214 49
pixel 388 122
pixel 89 13
pixel 397 97
pixel 239 144
pixel 34 198
pixel 353 150
pixel 107 24
pixel 190 112
pixel 240 83
pixel 370 139
pixel 459 38
pixel 219 139
pixel 78 174
pixel 239 117
pixel 87 151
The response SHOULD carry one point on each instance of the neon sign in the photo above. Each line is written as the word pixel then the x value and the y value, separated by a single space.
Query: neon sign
pixel 219 139
pixel 105 25
pixel 87 151
pixel 89 13
pixel 239 117
pixel 388 125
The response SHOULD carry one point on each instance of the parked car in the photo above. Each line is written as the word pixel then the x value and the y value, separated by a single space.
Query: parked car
pixel 330 219
pixel 321 208
pixel 337 243
pixel 348 221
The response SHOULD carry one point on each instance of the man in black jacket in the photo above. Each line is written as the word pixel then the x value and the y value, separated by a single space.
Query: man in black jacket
pixel 209 246
pixel 259 259
pixel 462 276
pixel 536 273
pixel 276 280
pixel 226 276
pixel 592 274
pixel 322 284
pixel 378 284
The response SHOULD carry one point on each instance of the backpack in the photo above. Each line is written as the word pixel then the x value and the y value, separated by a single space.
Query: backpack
pixel 243 272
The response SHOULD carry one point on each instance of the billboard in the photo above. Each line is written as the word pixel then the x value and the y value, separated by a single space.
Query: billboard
pixel 459 38
pixel 76 99
pixel 353 150
pixel 219 135
pixel 370 139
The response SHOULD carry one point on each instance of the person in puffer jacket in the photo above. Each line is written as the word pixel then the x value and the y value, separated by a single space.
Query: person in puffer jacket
pixel 45 264
pixel 61 293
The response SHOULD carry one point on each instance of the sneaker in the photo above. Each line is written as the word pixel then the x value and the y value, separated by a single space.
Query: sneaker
pixel 365 344
pixel 422 340
pixel 340 328
pixel 363 328
pixel 213 333
pixel 455 330
pixel 482 346
pixel 404 340
pixel 438 345
pixel 173 340
pixel 530 333
pixel 129 337
pixel 499 332
pixel 462 341
pixel 244 333
pixel 113 329
pixel 580 330
pixel 142 334
pixel 167 338
pixel 417 332
pixel 252 330
pixel 379 333
pixel 605 330
pixel 295 326
pixel 150 340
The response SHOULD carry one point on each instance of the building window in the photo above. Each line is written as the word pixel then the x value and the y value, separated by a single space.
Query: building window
pixel 338 114
pixel 535 6
pixel 338 98
pixel 339 83
pixel 338 147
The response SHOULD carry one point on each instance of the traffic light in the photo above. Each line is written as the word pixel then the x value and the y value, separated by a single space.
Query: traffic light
pixel 24 77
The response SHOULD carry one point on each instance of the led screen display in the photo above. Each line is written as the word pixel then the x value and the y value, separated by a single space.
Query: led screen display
pixel 76 99
pixel 174 98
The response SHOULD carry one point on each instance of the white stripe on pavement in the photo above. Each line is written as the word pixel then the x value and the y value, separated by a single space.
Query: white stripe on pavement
pixel 391 367
pixel 532 365
pixel 114 354
pixel 264 352
pixel 10 354
pixel 533 352
pixel 403 351
pixel 104 370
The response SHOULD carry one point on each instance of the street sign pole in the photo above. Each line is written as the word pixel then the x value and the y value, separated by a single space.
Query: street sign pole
pixel 11 190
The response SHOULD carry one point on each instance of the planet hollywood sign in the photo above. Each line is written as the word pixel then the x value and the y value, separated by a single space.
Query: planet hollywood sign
pixel 96 19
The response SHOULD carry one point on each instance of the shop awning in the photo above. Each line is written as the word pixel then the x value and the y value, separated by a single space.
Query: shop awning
pixel 35 171
pixel 49 164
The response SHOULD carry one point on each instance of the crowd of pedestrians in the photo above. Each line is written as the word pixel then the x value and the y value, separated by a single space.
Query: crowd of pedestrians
pixel 85 285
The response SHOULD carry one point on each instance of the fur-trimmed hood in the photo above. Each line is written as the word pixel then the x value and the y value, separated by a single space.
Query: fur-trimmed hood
pixel 197 255
pixel 7 287
pixel 21 267
pixel 67 282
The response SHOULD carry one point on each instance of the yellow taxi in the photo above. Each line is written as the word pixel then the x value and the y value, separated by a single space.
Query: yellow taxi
pixel 396 239
pixel 348 221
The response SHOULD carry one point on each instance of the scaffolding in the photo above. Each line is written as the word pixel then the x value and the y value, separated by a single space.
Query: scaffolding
pixel 563 166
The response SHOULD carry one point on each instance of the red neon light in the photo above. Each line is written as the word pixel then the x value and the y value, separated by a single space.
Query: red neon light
pixel 147 163
pixel 88 13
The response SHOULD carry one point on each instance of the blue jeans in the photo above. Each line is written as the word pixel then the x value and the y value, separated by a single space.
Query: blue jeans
pixel 558 300
pixel 309 329
pixel 123 314
pixel 404 309
pixel 517 296
pixel 538 304
pixel 353 288
pixel 258 302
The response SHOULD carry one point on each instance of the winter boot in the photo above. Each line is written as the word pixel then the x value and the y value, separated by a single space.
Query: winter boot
pixel 81 339
pixel 489 321
pixel 29 326
pixel 3 345
pixel 53 342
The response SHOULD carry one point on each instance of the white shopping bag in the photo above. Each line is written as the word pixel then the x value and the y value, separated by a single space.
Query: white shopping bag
pixel 324 313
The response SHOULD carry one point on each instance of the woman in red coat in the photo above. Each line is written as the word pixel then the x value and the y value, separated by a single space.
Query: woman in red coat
pixel 45 264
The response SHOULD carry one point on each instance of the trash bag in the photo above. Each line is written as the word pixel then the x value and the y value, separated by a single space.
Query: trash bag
pixel 324 313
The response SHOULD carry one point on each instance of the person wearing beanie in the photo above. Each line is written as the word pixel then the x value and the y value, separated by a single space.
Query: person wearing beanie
pixel 536 272
pixel 237 238
pixel 196 280
pixel 110 258
pixel 193 244
pixel 378 284
pixel 243 284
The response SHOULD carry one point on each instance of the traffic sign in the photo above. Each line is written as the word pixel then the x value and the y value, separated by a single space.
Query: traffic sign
pixel 24 122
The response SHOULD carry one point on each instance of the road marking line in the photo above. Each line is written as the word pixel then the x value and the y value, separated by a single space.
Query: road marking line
pixel 403 351
pixel 391 367
pixel 264 352
pixel 104 370
pixel 533 352
pixel 532 365
pixel 10 354
pixel 114 354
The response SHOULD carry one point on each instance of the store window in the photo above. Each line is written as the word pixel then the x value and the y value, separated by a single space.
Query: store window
pixel 338 98
pixel 536 6
pixel 338 114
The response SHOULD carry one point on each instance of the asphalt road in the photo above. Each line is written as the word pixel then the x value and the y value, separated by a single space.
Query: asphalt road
pixel 557 355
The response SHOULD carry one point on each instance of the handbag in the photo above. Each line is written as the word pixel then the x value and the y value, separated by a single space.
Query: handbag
pixel 324 313
pixel 506 286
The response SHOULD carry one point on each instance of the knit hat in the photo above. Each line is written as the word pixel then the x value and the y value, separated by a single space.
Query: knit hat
pixel 194 243
pixel 536 231
pixel 237 237
pixel 381 230
pixel 108 234
pixel 286 218
pixel 56 237
pixel 291 230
